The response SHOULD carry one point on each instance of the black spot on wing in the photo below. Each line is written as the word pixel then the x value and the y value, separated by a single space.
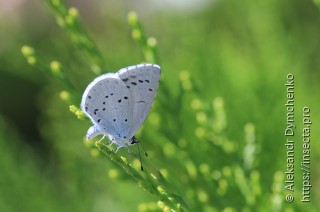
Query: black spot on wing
pixel 133 83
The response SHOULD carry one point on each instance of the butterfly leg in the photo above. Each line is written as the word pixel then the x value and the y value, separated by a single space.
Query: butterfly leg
pixel 102 138
pixel 108 146
pixel 111 140
pixel 119 147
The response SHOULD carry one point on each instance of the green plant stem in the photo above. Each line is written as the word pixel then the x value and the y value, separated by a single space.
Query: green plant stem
pixel 173 201
pixel 68 19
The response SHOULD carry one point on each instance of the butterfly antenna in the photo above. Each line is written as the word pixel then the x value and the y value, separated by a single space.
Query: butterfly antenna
pixel 145 152
pixel 141 166
pixel 134 141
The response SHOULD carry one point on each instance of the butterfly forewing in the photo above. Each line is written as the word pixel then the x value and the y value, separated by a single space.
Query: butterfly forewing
pixel 109 104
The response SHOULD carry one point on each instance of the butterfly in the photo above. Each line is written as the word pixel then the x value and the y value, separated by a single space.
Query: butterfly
pixel 118 103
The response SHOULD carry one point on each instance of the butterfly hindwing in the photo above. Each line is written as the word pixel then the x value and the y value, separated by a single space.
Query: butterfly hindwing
pixel 142 81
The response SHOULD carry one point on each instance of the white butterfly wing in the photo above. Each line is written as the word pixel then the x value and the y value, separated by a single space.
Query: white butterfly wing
pixel 109 104
pixel 142 81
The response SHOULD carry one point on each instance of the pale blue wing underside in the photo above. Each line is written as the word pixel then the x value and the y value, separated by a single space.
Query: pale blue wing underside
pixel 109 104
pixel 143 82
pixel 118 103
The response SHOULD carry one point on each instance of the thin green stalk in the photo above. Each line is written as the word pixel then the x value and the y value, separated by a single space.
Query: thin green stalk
pixel 148 44
pixel 54 69
pixel 163 187
pixel 159 187
pixel 68 19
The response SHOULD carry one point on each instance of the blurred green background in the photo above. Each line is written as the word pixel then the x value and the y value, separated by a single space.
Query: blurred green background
pixel 216 129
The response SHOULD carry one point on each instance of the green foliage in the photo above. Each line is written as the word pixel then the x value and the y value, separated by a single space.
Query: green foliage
pixel 214 135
